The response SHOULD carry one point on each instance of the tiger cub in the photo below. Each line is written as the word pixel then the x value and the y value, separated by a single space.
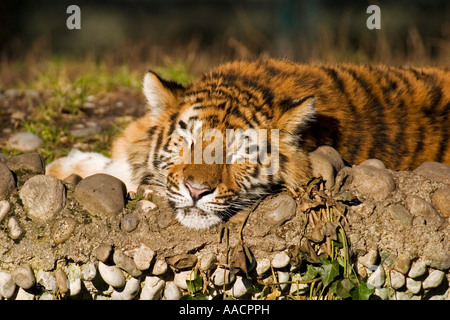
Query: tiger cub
pixel 245 128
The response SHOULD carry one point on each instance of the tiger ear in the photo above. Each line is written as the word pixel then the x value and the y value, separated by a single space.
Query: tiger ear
pixel 161 94
pixel 297 115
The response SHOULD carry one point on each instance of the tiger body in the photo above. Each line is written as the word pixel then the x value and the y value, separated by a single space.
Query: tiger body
pixel 398 115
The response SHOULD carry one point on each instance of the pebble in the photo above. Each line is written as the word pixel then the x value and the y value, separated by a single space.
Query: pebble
pixel 126 263
pixel 283 277
pixel 321 167
pixel 23 276
pixel 281 260
pixel 434 279
pixel 413 285
pixel 24 295
pixel 153 288
pixel 89 271
pixel 207 261
pixel 129 222
pixel 83 130
pixel 101 195
pixel 183 261
pixel 397 279
pixel 372 182
pixel 400 214
pixel 403 263
pixel 4 209
pixel 240 287
pixel 441 200
pixel 144 191
pixel 369 259
pixel 171 291
pixel 262 266
pixel 47 280
pixel 7 182
pixel 74 278
pixel 63 229
pixel 298 288
pixel 373 163
pixel 280 209
pixel 103 252
pixel 111 275
pixel 160 267
pixel 72 180
pixel 29 162
pixel 43 197
pixel 143 257
pixel 417 269
pixel 7 285
pixel 377 278
pixel 434 171
pixel 222 277
pixel 180 278
pixel 146 206
pixel 62 281
pixel 131 289
pixel 25 142
pixel 15 230
pixel 419 208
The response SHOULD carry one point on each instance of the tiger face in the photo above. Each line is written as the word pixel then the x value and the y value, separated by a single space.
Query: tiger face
pixel 215 160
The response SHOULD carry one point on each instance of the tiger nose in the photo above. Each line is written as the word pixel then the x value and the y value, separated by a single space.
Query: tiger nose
pixel 197 193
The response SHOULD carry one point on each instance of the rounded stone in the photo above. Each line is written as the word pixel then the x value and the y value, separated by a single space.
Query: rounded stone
pixel 74 278
pixel 434 171
pixel 377 278
pixel 47 280
pixel 89 271
pixel 129 222
pixel 262 266
pixel 4 209
pixel 171 291
pixel 152 289
pixel 183 261
pixel 7 182
pixel 434 279
pixel 24 295
pixel 321 167
pixel 27 163
pixel 131 289
pixel 397 279
pixel 373 163
pixel 402 264
pixel 15 230
pixel 372 182
pixel 281 260
pixel 280 209
pixel 160 267
pixel 111 275
pixel 413 285
pixel 369 259
pixel 240 287
pixel 419 208
pixel 101 195
pixel 7 285
pixel 126 263
pixel 441 201
pixel 143 257
pixel 417 269
pixel 222 277
pixel 23 276
pixel 43 197
pixel 145 206
pixel 283 277
pixel 400 214
pixel 180 278
pixel 63 229
pixel 207 261
pixel 25 142
pixel 62 281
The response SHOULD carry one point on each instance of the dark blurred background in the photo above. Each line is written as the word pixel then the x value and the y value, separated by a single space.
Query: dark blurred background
pixel 128 31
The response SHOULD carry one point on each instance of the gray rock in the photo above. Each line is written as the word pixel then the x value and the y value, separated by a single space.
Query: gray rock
pixel 143 257
pixel 377 278
pixel 180 278
pixel 283 277
pixel 160 267
pixel 281 260
pixel 222 277
pixel 62 229
pixel 7 285
pixel 441 201
pixel 262 266
pixel 15 230
pixel 152 289
pixel 397 279
pixel 43 197
pixel 62 281
pixel 129 222
pixel 423 212
pixel 241 286
pixel 171 291
pixel 126 263
pixel 400 214
pixel 4 209
pixel 417 269
pixel 23 276
pixel 373 163
pixel 434 171
pixel 372 182
pixel 207 261
pixel 434 279
pixel 25 142
pixel 403 263
pixel 103 251
pixel 24 295
pixel 111 275
pixel 83 130
pixel 183 261
pixel 321 167
pixel 279 209
pixel 7 181
pixel 89 271
pixel 101 195
pixel 27 163
pixel 145 206
pixel 74 278
pixel 72 180
pixel 369 259
pixel 47 280
pixel 413 285
pixel 131 289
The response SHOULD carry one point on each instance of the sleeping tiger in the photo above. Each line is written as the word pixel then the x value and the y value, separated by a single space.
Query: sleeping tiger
pixel 398 115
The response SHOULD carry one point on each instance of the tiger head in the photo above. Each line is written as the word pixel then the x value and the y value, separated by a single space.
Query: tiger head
pixel 222 144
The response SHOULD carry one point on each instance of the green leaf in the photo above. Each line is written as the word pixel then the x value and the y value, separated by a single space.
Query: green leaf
pixel 195 285
pixel 310 273
pixel 361 292
pixel 342 288
pixel 199 296
pixel 328 271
